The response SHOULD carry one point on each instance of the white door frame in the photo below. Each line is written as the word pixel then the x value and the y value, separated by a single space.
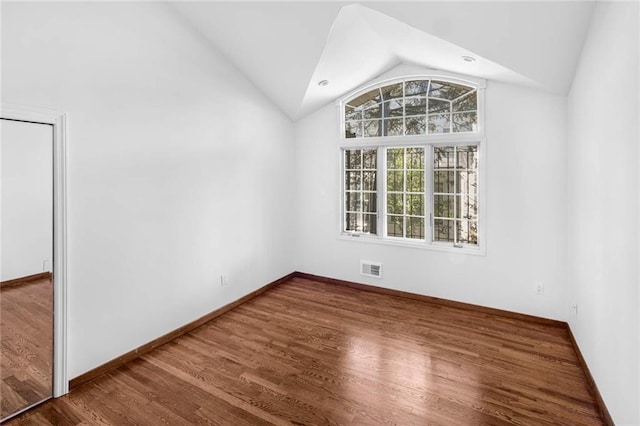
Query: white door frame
pixel 58 121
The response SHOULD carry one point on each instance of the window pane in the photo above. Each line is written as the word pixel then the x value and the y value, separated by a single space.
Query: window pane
pixel 415 181
pixel 395 158
pixel 467 231
pixel 393 127
pixel 415 204
pixel 392 91
pixel 415 158
pixel 352 222
pixel 467 207
pixel 467 157
pixel 373 112
pixel 415 227
pixel 443 206
pixel 360 206
pixel 394 203
pixel 416 87
pixel 405 192
pixel 352 180
pixel 395 226
pixel 451 107
pixel 415 106
pixel 446 90
pixel 369 181
pixel 416 125
pixel 465 122
pixel 369 223
pixel 460 209
pixel 352 158
pixel 393 108
pixel 439 123
pixel 467 182
pixel 372 128
pixel 443 158
pixel 466 103
pixel 353 129
pixel 351 113
pixel 369 200
pixel 443 181
pixel 395 181
pixel 443 230
pixel 437 106
pixel 372 96
pixel 352 201
pixel 370 158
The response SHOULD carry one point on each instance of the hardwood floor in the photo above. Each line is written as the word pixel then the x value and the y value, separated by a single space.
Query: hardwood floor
pixel 308 352
pixel 26 336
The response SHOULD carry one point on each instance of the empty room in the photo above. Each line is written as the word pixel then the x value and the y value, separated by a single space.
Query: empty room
pixel 320 213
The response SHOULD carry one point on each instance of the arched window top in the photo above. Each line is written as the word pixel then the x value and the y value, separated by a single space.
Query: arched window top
pixel 417 106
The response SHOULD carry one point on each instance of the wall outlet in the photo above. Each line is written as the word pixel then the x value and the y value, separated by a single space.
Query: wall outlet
pixel 574 308
pixel 539 287
pixel 224 280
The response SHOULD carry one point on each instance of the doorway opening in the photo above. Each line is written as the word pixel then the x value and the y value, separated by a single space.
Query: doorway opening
pixel 28 279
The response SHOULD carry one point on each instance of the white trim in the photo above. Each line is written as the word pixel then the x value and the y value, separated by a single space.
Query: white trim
pixel 421 245
pixel 58 121
pixel 448 139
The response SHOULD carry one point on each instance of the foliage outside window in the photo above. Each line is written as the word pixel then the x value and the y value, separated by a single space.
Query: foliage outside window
pixel 360 190
pixel 410 178
pixel 455 194
pixel 405 192
pixel 414 107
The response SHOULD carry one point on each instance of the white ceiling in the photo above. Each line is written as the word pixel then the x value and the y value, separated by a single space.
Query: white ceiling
pixel 286 48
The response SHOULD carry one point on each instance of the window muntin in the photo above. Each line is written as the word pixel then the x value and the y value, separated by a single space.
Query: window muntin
pixel 413 107
pixel 360 190
pixel 455 194
pixel 405 192
pixel 430 114
pixel 452 194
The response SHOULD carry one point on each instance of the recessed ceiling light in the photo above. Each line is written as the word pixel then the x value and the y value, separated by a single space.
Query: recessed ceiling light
pixel 323 83
pixel 468 59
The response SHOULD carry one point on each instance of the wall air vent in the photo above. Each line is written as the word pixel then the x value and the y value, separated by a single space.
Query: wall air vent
pixel 371 269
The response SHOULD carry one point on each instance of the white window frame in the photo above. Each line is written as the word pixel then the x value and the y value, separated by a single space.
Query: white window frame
pixel 428 141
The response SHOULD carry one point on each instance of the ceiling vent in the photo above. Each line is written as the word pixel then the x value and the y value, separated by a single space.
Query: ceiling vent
pixel 371 269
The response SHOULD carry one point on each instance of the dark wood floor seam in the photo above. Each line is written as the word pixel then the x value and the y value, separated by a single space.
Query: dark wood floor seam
pixel 172 335
pixel 314 352
pixel 26 279
pixel 437 301
pixel 146 348
pixel 604 411
pixel 26 338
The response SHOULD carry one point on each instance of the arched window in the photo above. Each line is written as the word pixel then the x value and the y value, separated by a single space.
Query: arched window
pixel 412 107
pixel 411 163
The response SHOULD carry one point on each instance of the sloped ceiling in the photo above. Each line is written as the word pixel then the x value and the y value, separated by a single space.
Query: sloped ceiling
pixel 286 48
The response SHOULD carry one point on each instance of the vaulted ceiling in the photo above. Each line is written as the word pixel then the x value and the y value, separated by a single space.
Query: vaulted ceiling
pixel 286 48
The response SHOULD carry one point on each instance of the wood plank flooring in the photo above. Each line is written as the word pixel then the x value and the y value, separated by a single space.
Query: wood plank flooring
pixel 309 353
pixel 26 336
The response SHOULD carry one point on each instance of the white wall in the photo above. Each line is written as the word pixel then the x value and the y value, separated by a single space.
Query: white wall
pixel 179 170
pixel 526 212
pixel 603 207
pixel 27 199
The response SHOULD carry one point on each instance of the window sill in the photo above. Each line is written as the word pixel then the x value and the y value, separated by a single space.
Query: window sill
pixel 447 248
